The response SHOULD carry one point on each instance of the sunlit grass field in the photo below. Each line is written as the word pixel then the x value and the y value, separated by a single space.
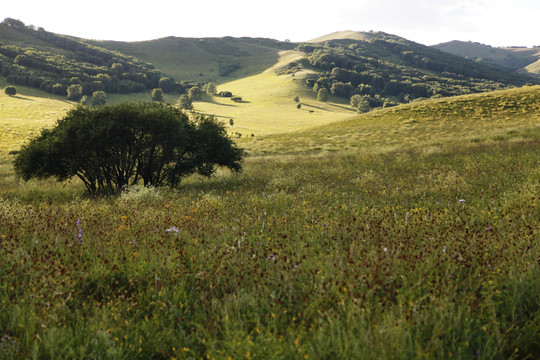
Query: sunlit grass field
pixel 410 232
pixel 23 116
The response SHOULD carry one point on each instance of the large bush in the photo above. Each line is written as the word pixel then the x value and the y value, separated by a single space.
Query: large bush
pixel 118 145
pixel 10 90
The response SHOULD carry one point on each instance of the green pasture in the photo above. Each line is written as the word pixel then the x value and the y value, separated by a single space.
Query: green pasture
pixel 410 232
pixel 24 115
pixel 428 124
pixel 197 59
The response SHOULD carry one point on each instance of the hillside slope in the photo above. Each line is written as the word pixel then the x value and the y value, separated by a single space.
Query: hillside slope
pixel 425 124
pixel 525 60
pixel 204 59
pixel 40 59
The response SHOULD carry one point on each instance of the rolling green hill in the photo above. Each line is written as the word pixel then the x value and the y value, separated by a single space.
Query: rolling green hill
pixel 40 59
pixel 426 125
pixel 519 59
pixel 387 68
pixel 405 232
pixel 204 59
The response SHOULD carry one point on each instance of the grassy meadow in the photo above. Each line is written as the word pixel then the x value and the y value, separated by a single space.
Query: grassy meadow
pixel 406 233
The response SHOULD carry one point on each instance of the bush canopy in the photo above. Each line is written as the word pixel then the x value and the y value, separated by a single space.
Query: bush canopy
pixel 114 146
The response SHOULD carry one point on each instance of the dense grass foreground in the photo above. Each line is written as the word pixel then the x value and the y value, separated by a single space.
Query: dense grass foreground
pixel 402 255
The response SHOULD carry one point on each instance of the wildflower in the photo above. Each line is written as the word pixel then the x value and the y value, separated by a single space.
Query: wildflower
pixel 79 231
pixel 173 229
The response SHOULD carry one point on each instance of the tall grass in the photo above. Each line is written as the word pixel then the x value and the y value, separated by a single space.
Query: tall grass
pixel 415 250
pixel 399 255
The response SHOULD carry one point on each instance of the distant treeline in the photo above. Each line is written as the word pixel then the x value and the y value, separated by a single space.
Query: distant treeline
pixel 388 70
pixel 69 61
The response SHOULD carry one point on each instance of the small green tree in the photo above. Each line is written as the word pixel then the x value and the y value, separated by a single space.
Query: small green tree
pixel 59 89
pixel 210 89
pixel 99 98
pixel 231 122
pixel 297 99
pixel 363 105
pixel 195 93
pixel 355 99
pixel 166 84
pixel 10 90
pixel 322 95
pixel 85 100
pixel 74 92
pixel 157 94
pixel 185 102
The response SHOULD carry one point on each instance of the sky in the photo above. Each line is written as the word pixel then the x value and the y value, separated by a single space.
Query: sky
pixel 491 22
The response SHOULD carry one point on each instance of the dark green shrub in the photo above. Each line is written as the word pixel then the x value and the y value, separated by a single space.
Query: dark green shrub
pixel 74 92
pixel 10 90
pixel 157 94
pixel 99 98
pixel 110 147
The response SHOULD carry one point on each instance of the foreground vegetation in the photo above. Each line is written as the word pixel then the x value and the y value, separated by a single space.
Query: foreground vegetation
pixel 424 249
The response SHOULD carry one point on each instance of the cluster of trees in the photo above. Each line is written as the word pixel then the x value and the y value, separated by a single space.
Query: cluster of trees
pixel 388 70
pixel 76 63
pixel 111 147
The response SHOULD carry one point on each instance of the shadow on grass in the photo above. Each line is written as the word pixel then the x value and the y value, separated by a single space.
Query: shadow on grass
pixel 315 107
pixel 22 98
pixel 342 107
pixel 211 100
pixel 213 115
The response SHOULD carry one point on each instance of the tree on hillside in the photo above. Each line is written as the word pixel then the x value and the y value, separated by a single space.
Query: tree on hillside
pixel 59 89
pixel 195 93
pixel 166 84
pixel 185 102
pixel 10 90
pixel 322 95
pixel 363 105
pixel 355 99
pixel 210 89
pixel 99 98
pixel 157 94
pixel 111 147
pixel 85 100
pixel 74 92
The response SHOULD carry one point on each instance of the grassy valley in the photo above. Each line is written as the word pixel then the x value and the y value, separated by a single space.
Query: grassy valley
pixel 405 232
pixel 207 59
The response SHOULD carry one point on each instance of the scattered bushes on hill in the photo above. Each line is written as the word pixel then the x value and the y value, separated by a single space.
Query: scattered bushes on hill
pixel 96 68
pixel 99 98
pixel 157 94
pixel 185 102
pixel 225 94
pixel 392 70
pixel 111 147
pixel 195 93
pixel 10 90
